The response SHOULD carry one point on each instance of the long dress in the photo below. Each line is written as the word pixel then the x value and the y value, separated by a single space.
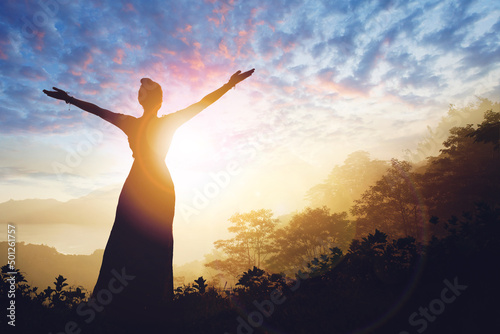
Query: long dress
pixel 135 281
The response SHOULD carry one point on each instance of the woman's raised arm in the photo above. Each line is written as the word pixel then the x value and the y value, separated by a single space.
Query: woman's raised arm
pixel 191 111
pixel 112 117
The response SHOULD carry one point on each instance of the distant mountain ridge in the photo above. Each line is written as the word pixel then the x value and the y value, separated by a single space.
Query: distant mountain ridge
pixel 97 207
pixel 78 226
pixel 41 264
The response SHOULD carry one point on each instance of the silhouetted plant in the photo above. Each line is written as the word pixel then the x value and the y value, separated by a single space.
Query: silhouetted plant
pixel 57 296
pixel 184 290
pixel 61 296
pixel 251 278
pixel 20 280
pixel 325 262
pixel 200 284
pixel 256 282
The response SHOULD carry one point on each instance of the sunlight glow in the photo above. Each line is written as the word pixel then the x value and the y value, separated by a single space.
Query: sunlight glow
pixel 187 152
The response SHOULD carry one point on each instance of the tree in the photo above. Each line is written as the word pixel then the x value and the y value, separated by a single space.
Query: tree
pixel 374 256
pixel 432 143
pixel 393 205
pixel 347 182
pixel 466 170
pixel 308 235
pixel 489 130
pixel 257 283
pixel 325 263
pixel 251 245
pixel 13 277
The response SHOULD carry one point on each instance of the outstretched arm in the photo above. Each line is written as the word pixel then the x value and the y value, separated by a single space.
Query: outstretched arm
pixel 193 110
pixel 107 115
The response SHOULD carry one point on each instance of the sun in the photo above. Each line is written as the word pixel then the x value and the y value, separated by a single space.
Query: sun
pixel 189 153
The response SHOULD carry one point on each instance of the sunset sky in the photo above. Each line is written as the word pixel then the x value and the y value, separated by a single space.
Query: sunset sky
pixel 332 77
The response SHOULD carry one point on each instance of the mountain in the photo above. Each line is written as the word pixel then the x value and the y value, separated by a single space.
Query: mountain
pixel 41 264
pixel 78 226
pixel 96 208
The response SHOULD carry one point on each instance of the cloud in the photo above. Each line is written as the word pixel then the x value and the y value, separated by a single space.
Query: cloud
pixel 318 62
pixel 456 21
pixel 483 53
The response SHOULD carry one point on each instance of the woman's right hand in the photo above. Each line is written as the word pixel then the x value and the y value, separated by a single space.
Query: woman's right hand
pixel 57 94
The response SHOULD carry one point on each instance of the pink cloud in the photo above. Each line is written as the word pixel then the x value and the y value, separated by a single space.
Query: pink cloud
pixel 39 40
pixel 3 55
pixel 220 14
pixel 78 68
pixel 34 74
pixel 158 55
pixel 129 7
pixel 118 70
pixel 243 39
pixel 286 48
pixel 167 51
pixel 326 87
pixel 88 61
pixel 223 10
pixel 133 47
pixel 289 89
pixel 216 21
pixel 119 56
pixel 4 43
pixel 195 61
pixel 105 85
pixel 188 28
pixel 96 50
pixel 224 51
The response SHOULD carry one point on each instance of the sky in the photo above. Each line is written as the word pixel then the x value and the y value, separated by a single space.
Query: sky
pixel 331 78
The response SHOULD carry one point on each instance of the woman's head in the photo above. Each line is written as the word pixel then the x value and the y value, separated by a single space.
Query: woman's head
pixel 150 95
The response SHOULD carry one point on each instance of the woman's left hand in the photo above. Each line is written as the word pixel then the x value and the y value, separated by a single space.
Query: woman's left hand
pixel 238 77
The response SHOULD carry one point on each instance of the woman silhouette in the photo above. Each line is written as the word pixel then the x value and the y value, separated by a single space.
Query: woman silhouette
pixel 135 280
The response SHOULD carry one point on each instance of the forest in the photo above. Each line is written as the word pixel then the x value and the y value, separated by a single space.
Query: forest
pixel 415 251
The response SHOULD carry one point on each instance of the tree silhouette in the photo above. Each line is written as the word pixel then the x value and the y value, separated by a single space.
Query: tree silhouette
pixel 325 262
pixel 62 296
pixel 256 284
pixel 251 278
pixel 308 235
pixel 489 130
pixel 347 182
pixel 456 117
pixel 20 282
pixel 466 170
pixel 392 205
pixel 251 245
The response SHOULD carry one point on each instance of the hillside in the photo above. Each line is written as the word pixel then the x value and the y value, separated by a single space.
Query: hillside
pixel 94 209
pixel 41 264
